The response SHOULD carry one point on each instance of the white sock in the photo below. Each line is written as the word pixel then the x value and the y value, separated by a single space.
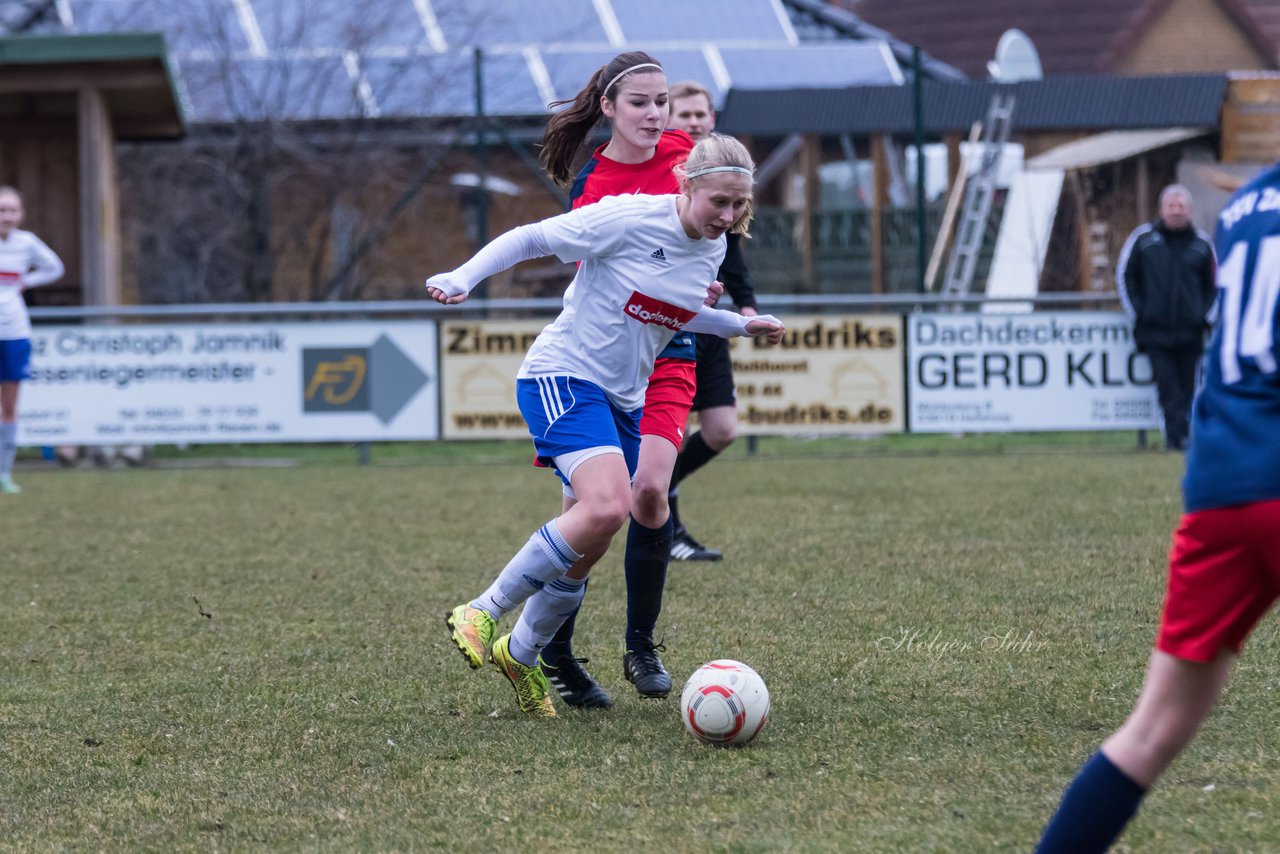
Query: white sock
pixel 543 615
pixel 8 447
pixel 544 558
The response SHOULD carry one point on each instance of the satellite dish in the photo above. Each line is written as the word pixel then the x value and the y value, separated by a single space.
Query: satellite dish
pixel 1016 59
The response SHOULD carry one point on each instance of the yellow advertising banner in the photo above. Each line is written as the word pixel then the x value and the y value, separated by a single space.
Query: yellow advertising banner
pixel 478 364
pixel 832 374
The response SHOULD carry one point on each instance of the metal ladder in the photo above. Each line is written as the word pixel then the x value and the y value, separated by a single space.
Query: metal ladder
pixel 978 196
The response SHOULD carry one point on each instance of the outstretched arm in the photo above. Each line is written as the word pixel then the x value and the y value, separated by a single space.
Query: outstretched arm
pixel 730 324
pixel 519 244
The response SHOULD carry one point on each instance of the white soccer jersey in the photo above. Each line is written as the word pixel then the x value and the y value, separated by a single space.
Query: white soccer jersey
pixel 642 278
pixel 25 262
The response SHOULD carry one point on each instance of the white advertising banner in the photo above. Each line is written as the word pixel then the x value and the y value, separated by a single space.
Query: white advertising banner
pixel 976 373
pixel 250 382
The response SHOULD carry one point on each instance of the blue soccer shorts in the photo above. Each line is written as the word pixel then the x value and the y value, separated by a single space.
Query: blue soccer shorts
pixel 567 415
pixel 15 360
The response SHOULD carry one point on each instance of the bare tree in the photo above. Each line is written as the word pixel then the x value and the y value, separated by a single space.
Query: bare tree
pixel 284 185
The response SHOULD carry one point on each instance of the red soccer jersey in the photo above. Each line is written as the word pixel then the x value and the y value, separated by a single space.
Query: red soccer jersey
pixel 602 176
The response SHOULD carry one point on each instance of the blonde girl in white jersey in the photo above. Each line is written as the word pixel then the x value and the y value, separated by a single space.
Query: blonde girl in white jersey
pixel 25 262
pixel 647 262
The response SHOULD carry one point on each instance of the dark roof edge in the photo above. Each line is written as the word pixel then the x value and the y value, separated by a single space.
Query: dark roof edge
pixel 948 106
pixel 851 25
pixel 84 48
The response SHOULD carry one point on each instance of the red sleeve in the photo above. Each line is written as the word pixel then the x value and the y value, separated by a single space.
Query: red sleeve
pixel 603 177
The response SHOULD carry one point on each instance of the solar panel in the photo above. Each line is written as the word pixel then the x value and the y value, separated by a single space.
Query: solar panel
pixel 188 25
pixel 295 89
pixel 570 70
pixel 688 65
pixel 444 85
pixel 303 76
pixel 338 24
pixel 701 20
pixel 491 22
pixel 840 64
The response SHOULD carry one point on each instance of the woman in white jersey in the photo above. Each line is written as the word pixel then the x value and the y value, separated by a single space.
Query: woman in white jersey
pixel 25 262
pixel 647 262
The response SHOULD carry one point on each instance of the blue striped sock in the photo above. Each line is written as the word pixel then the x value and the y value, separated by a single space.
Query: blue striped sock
pixel 544 558
pixel 543 615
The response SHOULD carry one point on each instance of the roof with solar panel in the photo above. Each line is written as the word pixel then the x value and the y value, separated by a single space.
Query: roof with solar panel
pixel 310 60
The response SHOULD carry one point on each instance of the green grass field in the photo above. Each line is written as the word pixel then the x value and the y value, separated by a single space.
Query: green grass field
pixel 255 658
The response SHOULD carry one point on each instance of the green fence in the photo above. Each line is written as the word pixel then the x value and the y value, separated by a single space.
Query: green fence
pixel 842 251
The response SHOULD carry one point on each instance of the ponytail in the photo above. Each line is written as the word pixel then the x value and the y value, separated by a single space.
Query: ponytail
pixel 568 129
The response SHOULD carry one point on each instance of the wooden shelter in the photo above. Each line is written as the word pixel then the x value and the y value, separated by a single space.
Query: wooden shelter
pixel 64 101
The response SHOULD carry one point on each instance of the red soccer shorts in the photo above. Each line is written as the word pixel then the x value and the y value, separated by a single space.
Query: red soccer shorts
pixel 669 399
pixel 1224 574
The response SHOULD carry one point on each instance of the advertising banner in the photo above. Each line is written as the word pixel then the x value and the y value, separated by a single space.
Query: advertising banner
pixel 478 364
pixel 974 373
pixel 832 374
pixel 206 383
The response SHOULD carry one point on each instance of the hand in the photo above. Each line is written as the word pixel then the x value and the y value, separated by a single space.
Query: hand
pixel 766 326
pixel 444 289
pixel 715 290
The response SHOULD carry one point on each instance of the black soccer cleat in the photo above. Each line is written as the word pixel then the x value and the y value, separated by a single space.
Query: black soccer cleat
pixel 644 669
pixel 685 547
pixel 574 684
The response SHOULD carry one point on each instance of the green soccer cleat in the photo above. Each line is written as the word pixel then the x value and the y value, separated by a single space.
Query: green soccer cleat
pixel 472 632
pixel 532 691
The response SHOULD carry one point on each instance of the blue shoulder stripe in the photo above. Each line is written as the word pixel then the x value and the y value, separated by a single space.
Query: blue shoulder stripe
pixel 580 182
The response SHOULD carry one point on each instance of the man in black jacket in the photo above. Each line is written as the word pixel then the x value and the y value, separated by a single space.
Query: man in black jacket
pixel 1165 277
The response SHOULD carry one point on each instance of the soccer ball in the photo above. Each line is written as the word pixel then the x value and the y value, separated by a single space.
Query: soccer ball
pixel 725 703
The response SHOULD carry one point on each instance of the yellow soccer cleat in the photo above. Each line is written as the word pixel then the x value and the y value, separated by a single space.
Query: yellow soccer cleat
pixel 532 691
pixel 472 632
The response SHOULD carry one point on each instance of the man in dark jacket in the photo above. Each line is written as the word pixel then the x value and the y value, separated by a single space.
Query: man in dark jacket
pixel 1165 277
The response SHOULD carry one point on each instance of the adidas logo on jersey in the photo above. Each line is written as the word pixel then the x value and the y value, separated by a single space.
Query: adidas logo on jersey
pixel 658 255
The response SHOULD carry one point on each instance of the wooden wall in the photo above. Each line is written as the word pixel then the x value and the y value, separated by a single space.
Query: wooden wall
pixel 1251 120
pixel 39 157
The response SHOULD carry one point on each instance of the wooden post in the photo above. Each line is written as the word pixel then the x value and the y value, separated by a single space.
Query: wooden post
pixel 99 215
pixel 879 201
pixel 1144 190
pixel 1230 133
pixel 1080 219
pixel 810 160
pixel 954 157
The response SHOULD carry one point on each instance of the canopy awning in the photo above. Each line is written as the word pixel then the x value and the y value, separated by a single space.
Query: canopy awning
pixel 1111 146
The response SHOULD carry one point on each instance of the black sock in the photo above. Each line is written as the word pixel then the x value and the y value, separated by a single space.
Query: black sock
pixel 673 501
pixel 561 643
pixel 696 454
pixel 648 550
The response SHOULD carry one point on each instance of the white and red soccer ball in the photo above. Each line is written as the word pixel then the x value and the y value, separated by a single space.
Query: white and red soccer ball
pixel 725 703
